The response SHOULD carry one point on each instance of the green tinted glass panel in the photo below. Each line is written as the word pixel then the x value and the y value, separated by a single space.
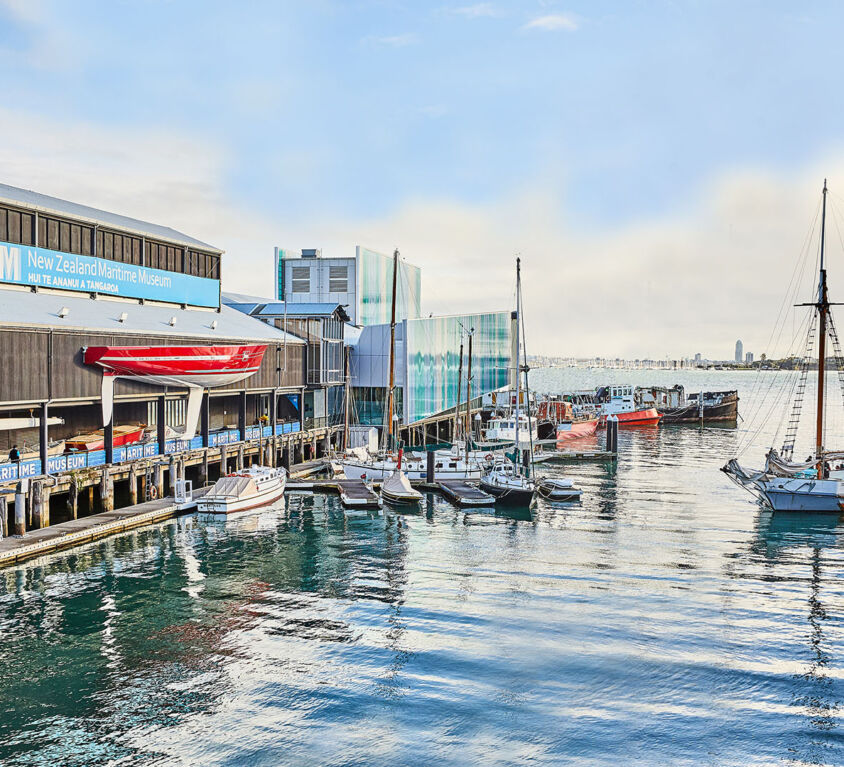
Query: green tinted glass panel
pixel 375 288
pixel 433 360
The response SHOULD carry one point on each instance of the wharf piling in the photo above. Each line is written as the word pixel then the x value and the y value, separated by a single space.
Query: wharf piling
pixel 612 435
pixel 29 500
pixel 171 475
pixel 106 490
pixel 157 480
pixel 20 507
pixel 73 497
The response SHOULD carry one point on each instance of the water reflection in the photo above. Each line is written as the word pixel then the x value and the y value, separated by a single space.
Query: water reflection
pixel 793 546
pixel 662 620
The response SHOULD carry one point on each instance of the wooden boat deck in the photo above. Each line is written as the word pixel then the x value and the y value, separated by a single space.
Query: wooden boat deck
pixel 463 493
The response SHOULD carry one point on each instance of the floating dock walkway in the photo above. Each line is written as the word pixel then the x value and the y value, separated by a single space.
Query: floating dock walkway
pixel 354 493
pixel 463 493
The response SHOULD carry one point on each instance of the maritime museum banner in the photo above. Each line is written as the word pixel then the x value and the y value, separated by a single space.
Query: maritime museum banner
pixel 43 268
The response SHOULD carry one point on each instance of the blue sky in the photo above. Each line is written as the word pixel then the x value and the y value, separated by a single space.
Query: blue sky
pixel 333 120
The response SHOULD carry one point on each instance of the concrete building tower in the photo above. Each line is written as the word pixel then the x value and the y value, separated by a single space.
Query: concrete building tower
pixel 739 351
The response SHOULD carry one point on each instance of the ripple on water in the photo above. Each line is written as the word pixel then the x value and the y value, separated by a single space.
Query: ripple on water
pixel 664 619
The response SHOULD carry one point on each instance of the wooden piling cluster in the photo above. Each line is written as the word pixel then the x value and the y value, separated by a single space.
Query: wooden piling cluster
pixel 30 498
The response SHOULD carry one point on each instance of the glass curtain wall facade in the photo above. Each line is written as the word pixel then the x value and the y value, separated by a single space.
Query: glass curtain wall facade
pixel 433 360
pixel 375 288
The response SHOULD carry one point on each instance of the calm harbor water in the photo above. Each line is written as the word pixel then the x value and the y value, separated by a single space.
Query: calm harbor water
pixel 665 619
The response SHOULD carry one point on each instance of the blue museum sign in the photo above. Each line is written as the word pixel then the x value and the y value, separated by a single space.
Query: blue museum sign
pixel 43 268
pixel 56 464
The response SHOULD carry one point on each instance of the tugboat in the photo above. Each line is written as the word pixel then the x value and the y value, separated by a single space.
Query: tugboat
pixel 623 403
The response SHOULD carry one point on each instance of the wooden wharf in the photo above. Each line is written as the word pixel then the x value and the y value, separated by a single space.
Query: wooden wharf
pixel 77 532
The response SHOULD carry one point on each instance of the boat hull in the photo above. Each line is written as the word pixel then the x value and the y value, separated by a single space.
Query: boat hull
pixel 725 411
pixel 96 440
pixel 203 366
pixel 378 473
pixel 507 496
pixel 803 495
pixel 401 500
pixel 576 429
pixel 647 417
pixel 227 507
pixel 556 491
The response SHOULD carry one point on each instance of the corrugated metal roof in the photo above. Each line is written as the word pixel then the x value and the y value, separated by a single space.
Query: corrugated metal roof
pixel 277 309
pixel 266 307
pixel 22 308
pixel 26 198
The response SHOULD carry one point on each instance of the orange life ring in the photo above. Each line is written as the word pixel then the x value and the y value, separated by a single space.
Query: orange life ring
pixel 489 457
pixel 153 493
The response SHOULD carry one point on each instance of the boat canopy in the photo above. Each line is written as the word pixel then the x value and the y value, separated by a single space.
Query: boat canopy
pixel 233 487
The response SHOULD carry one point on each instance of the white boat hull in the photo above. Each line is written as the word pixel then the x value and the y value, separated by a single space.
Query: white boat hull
pixel 228 506
pixel 378 471
pixel 803 494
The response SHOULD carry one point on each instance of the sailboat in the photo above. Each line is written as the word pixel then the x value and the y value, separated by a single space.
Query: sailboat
pixel 386 466
pixel 397 488
pixel 455 463
pixel 505 481
pixel 811 485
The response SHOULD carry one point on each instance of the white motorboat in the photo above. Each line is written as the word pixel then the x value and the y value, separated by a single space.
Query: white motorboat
pixel 558 489
pixel 397 489
pixel 244 490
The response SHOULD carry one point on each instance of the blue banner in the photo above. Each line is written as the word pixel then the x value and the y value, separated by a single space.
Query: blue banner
pixel 26 265
pixel 56 464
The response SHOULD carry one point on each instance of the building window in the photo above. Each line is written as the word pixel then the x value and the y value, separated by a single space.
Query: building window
pixel 65 236
pixel 16 226
pixel 338 279
pixel 301 278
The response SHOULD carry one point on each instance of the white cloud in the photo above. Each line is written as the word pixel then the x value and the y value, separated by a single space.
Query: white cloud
pixel 476 11
pixel 552 22
pixel 392 41
pixel 670 285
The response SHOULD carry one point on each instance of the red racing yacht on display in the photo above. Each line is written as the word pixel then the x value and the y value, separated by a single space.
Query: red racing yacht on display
pixel 194 367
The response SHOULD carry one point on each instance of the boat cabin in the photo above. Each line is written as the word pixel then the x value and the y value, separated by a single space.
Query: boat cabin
pixel 620 399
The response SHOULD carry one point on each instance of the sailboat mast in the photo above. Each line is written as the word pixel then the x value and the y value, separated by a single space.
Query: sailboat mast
pixel 457 404
pixel 516 361
pixel 823 308
pixel 392 353
pixel 468 427
pixel 346 413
